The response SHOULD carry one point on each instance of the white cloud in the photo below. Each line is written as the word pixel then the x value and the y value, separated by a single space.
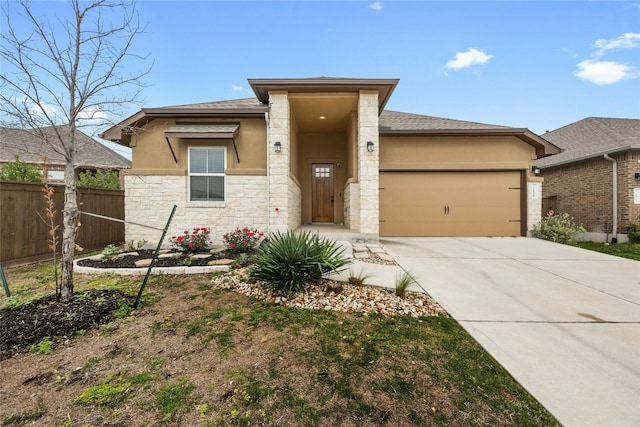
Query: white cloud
pixel 604 72
pixel 44 110
pixel 625 41
pixel 376 6
pixel 467 59
pixel 237 88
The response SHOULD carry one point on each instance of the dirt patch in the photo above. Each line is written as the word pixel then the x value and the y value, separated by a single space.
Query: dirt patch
pixel 29 324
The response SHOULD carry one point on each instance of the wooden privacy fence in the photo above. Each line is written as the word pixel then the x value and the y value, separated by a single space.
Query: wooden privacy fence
pixel 24 235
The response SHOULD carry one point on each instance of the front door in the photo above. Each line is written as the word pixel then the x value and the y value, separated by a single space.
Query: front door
pixel 322 192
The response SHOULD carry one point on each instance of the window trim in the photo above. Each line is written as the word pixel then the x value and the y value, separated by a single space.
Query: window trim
pixel 222 174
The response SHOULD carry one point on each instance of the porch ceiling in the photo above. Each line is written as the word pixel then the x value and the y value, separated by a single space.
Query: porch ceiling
pixel 307 109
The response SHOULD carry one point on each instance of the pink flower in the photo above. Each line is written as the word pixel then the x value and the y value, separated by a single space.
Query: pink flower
pixel 246 243
pixel 190 245
pixel 233 245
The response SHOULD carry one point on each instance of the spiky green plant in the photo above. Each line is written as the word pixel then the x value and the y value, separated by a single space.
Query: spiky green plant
pixel 289 261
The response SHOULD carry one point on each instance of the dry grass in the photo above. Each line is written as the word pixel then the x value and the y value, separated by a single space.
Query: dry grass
pixel 200 356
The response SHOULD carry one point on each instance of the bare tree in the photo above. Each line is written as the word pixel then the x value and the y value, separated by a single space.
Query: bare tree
pixel 64 70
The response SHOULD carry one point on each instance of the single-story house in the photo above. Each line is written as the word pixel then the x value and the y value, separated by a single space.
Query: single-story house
pixel 324 150
pixel 596 177
pixel 30 148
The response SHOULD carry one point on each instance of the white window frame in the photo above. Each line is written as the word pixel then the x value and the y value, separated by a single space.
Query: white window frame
pixel 636 196
pixel 222 174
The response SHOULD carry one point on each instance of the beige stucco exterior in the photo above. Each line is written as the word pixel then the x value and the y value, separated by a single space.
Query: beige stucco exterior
pixel 318 121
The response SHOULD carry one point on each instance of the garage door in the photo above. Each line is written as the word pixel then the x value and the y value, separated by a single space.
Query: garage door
pixel 450 203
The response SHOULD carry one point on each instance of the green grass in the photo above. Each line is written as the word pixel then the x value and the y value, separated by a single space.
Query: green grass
pixel 623 250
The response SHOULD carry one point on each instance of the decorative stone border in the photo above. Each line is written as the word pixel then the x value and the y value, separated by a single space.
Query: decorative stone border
pixel 141 271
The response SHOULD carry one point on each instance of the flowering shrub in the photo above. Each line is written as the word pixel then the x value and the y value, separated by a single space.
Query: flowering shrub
pixel 243 240
pixel 196 241
pixel 559 228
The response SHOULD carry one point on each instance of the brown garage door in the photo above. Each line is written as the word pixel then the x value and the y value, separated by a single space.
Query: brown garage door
pixel 450 203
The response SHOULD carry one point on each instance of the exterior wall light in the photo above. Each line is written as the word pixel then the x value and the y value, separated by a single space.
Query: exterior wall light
pixel 536 170
pixel 277 146
pixel 369 146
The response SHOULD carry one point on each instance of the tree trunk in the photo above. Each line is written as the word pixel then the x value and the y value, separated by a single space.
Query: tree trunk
pixel 69 225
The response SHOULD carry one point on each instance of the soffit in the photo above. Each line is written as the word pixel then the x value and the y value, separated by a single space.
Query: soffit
pixel 308 110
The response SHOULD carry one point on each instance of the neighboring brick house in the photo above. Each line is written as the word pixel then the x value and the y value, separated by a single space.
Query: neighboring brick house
pixel 579 180
pixel 90 154
pixel 324 151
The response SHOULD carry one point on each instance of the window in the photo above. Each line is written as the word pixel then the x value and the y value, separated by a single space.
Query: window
pixel 636 196
pixel 206 174
pixel 55 175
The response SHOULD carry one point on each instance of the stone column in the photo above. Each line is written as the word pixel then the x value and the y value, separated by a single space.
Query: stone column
pixel 534 202
pixel 368 162
pixel 279 116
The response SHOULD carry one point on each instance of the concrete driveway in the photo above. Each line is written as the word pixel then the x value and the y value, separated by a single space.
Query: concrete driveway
pixel 565 322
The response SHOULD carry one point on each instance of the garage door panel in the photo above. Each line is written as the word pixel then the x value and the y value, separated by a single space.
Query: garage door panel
pixel 450 203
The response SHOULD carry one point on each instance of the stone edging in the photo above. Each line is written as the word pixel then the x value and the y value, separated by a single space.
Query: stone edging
pixel 141 271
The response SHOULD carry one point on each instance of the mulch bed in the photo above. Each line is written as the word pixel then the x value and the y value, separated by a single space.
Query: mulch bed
pixel 22 326
pixel 128 261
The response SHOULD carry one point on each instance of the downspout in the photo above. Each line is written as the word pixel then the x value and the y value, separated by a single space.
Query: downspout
pixel 266 119
pixel 614 231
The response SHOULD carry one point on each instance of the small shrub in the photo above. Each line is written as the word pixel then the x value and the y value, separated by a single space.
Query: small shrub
pixel 243 240
pixel 633 232
pixel 291 260
pixel 559 228
pixel 110 252
pixel 109 179
pixel 133 246
pixel 196 241
pixel 174 397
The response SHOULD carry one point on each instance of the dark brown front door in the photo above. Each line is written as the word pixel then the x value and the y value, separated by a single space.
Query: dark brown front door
pixel 322 192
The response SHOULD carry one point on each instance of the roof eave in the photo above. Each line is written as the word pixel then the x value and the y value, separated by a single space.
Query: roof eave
pixel 591 156
pixel 542 146
pixel 115 133
pixel 384 87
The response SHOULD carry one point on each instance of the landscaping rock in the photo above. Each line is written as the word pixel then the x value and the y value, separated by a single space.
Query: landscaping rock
pixel 224 261
pixel 143 263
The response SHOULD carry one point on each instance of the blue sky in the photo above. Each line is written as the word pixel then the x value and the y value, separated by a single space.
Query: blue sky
pixel 534 64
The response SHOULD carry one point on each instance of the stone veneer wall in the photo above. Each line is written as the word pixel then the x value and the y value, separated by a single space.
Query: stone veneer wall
pixel 149 199
pixel 279 198
pixel 368 163
pixel 295 204
pixel 534 202
pixel 352 205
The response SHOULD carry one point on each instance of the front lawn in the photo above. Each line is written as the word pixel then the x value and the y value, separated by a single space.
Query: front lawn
pixel 624 250
pixel 199 354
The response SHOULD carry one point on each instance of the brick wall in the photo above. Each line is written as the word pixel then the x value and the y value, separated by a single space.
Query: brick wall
pixel 584 190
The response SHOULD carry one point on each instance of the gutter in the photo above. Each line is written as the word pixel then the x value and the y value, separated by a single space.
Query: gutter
pixel 614 178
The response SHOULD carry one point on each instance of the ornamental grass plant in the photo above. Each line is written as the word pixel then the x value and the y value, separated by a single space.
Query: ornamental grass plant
pixel 288 261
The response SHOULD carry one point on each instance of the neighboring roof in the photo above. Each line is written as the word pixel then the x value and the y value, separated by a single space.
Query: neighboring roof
pixel 203 130
pixel 397 123
pixel 384 87
pixel 32 149
pixel 592 137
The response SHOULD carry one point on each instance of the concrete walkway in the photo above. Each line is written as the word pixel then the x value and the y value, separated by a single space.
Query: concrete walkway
pixel 565 322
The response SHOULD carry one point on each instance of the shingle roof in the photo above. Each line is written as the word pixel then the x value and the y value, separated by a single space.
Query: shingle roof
pixel 232 103
pixel 592 137
pixel 396 121
pixel 31 149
